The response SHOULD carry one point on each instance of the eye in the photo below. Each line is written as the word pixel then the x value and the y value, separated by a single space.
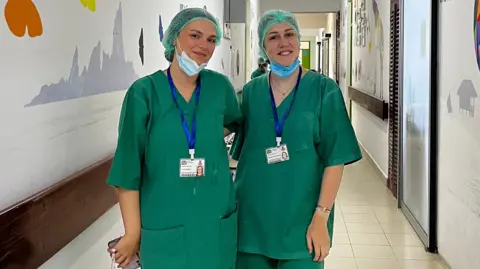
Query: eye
pixel 290 34
pixel 272 37
pixel 212 40
pixel 195 36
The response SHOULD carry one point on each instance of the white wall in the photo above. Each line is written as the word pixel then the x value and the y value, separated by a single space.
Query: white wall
pixel 459 138
pixel 372 60
pixel 42 144
pixel 307 6
pixel 331 29
pixel 312 20
pixel 344 48
pixel 252 49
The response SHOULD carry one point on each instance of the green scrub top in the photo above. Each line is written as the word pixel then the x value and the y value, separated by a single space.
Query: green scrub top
pixel 277 201
pixel 186 222
pixel 257 73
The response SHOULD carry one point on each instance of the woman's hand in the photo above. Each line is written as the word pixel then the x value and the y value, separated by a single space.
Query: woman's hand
pixel 318 239
pixel 125 250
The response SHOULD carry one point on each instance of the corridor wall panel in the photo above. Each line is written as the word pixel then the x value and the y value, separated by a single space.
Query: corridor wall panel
pixel 63 79
pixel 369 73
pixel 459 133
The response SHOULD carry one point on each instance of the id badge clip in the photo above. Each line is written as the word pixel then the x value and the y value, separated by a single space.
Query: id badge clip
pixel 277 154
pixel 192 167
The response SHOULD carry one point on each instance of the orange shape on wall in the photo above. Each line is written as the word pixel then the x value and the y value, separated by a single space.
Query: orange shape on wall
pixel 22 15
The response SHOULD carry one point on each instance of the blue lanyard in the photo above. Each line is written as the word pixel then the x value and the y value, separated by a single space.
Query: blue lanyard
pixel 279 125
pixel 191 136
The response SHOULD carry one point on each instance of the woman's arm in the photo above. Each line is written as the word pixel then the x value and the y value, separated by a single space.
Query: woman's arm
pixel 129 201
pixel 332 177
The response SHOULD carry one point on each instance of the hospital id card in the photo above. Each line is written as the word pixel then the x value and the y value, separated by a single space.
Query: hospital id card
pixel 192 167
pixel 277 154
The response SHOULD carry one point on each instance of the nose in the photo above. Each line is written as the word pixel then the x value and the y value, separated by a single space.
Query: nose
pixel 202 43
pixel 284 42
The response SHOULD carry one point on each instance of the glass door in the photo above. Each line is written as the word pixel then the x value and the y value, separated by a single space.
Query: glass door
pixel 418 98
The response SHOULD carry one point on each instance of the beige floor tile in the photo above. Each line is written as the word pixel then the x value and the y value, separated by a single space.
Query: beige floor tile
pixel 371 263
pixel 362 209
pixel 340 263
pixel 412 253
pixel 341 251
pixel 397 228
pixel 341 239
pixel 368 239
pixel 416 264
pixel 366 228
pixel 360 217
pixel 339 227
pixel 410 240
pixel 375 252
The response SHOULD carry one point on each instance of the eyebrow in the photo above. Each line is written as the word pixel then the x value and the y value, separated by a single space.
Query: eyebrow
pixel 201 33
pixel 276 32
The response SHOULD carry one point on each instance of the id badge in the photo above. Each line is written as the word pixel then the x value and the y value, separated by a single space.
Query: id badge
pixel 277 154
pixel 192 167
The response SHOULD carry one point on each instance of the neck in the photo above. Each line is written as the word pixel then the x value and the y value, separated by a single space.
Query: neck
pixel 179 77
pixel 279 80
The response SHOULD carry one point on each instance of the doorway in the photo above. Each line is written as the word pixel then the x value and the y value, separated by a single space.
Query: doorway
pixel 305 54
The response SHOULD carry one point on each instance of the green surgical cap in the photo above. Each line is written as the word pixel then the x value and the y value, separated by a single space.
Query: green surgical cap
pixel 261 61
pixel 271 18
pixel 182 19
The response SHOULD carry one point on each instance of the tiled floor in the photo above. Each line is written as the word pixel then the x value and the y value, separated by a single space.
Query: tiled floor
pixel 370 233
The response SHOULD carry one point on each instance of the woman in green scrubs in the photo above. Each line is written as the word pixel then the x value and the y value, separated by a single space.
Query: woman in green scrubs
pixel 171 165
pixel 262 68
pixel 296 139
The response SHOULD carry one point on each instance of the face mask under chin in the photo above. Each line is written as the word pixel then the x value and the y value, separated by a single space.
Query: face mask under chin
pixel 187 64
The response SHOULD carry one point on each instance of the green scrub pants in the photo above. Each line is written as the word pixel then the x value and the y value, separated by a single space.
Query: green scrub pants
pixel 255 261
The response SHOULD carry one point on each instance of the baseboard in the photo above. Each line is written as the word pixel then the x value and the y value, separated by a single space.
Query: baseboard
pixel 443 261
pixel 374 164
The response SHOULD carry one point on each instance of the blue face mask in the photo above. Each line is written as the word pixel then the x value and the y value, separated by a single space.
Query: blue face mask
pixel 189 66
pixel 284 71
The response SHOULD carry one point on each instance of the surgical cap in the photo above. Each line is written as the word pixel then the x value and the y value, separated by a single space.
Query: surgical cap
pixel 182 19
pixel 261 60
pixel 271 18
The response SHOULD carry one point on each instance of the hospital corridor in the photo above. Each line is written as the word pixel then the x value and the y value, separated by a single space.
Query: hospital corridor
pixel 240 134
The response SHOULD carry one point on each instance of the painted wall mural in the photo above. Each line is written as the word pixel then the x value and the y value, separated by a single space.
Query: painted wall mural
pixel 160 28
pixel 476 31
pixel 105 73
pixel 458 133
pixel 67 69
pixel 369 49
pixel 22 16
pixel 90 4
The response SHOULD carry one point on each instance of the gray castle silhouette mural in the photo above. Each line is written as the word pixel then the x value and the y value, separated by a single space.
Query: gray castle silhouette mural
pixel 105 73
pixel 466 97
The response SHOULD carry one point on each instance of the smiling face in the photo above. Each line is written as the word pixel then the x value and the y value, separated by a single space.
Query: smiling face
pixel 281 44
pixel 198 40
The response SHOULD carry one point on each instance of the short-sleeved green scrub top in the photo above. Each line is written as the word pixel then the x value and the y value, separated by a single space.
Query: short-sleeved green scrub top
pixel 257 73
pixel 277 201
pixel 186 222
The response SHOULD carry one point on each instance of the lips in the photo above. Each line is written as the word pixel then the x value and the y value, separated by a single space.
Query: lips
pixel 200 54
pixel 22 15
pixel 285 53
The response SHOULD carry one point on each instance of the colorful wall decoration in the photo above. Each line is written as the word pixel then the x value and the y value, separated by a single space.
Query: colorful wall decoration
pixel 22 16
